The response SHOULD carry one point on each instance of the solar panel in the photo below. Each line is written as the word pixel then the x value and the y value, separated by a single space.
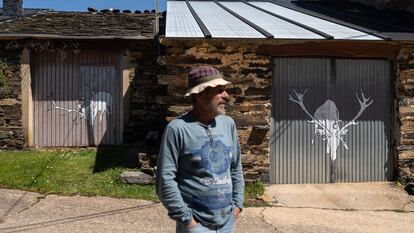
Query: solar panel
pixel 180 21
pixel 221 23
pixel 336 30
pixel 278 27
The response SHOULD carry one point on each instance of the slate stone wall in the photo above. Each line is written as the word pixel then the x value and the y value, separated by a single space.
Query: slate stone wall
pixel 146 115
pixel 159 80
pixel 251 77
pixel 405 114
pixel 250 106
pixel 11 129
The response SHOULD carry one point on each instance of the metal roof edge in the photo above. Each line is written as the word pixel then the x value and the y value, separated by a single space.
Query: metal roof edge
pixel 276 41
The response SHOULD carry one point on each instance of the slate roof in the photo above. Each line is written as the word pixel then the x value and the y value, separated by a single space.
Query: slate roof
pixel 80 25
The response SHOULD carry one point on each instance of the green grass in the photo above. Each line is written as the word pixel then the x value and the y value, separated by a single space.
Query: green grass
pixel 69 173
pixel 86 172
pixel 251 192
pixel 254 189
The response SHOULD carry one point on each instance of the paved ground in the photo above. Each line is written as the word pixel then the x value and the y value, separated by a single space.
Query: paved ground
pixel 374 196
pixel 368 207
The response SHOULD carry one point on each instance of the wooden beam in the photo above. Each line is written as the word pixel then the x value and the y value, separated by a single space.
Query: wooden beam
pixel 340 49
pixel 53 36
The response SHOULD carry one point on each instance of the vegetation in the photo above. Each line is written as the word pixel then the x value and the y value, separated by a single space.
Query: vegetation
pixel 252 193
pixel 87 172
pixel 67 173
pixel 254 189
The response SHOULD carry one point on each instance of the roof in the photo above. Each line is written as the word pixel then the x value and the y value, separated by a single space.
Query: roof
pixel 397 24
pixel 80 25
pixel 257 19
pixel 393 5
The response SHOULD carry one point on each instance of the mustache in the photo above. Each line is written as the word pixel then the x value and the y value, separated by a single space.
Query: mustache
pixel 225 100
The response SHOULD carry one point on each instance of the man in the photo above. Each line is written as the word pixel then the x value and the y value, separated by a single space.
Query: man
pixel 199 172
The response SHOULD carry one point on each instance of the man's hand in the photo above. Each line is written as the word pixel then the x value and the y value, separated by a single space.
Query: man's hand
pixel 193 223
pixel 236 212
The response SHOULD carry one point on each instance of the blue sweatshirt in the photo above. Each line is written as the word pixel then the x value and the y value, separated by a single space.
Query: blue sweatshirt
pixel 199 171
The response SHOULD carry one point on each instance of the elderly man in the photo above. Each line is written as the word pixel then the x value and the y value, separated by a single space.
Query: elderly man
pixel 199 171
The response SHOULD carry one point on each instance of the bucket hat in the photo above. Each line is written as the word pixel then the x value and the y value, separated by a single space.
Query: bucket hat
pixel 202 77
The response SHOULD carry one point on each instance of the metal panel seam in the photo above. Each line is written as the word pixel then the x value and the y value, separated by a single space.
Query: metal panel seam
pixel 200 23
pixel 251 24
pixel 333 21
pixel 316 31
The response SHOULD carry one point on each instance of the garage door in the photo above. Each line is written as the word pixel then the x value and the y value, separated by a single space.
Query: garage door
pixel 77 99
pixel 331 121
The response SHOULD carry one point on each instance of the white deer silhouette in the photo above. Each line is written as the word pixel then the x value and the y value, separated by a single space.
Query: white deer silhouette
pixel 327 123
pixel 99 102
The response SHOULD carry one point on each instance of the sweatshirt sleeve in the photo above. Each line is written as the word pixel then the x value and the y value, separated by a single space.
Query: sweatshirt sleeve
pixel 237 171
pixel 166 185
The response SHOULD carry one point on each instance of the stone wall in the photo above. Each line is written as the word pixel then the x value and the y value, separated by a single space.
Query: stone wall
pixel 142 115
pixel 157 85
pixel 11 129
pixel 250 106
pixel 405 113
pixel 146 116
pixel 251 78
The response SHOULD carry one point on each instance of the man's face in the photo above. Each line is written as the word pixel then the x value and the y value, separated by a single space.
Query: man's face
pixel 215 99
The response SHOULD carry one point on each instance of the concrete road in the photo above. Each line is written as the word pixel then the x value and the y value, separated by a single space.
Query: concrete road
pixel 295 208
pixel 343 207
pixel 31 212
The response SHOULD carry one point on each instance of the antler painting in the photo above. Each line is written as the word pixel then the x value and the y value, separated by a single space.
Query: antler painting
pixel 98 102
pixel 327 122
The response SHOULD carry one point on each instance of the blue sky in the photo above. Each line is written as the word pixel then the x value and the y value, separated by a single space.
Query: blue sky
pixel 82 5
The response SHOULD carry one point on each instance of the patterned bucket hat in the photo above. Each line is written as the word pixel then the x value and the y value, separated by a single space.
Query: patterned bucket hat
pixel 202 77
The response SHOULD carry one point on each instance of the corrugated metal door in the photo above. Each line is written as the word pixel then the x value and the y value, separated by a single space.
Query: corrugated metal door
pixel 77 99
pixel 331 121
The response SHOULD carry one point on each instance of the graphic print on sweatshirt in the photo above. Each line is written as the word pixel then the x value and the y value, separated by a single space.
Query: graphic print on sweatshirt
pixel 215 156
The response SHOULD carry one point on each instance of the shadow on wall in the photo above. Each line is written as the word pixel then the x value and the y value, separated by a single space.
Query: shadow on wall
pixel 136 156
pixel 144 118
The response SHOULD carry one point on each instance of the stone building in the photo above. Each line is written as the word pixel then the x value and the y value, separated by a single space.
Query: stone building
pixel 297 97
pixel 321 100
pixel 77 78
